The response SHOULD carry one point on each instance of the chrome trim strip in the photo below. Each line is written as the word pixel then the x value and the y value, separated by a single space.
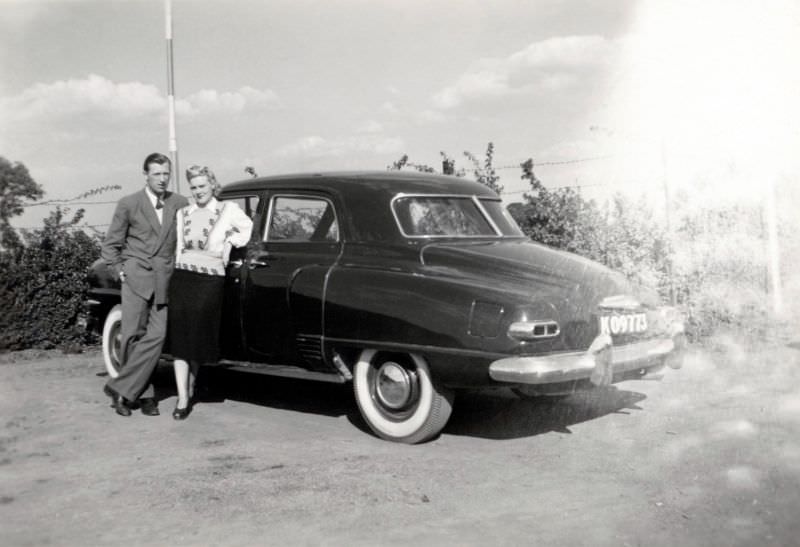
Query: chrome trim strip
pixel 283 370
pixel 486 214
pixel 414 348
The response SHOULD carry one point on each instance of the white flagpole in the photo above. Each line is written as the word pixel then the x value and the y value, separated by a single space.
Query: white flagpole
pixel 173 141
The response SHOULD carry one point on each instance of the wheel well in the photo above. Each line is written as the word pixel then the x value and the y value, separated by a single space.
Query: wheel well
pixel 347 357
pixel 350 354
pixel 99 311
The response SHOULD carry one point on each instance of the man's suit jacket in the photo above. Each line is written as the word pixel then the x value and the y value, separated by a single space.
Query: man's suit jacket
pixel 137 244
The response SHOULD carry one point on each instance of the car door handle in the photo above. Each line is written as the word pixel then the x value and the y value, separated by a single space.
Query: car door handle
pixel 256 263
pixel 235 263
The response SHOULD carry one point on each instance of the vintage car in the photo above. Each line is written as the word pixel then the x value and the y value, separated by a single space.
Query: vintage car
pixel 413 286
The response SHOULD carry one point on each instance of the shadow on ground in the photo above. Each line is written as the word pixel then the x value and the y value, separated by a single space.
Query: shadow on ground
pixel 501 415
pixel 217 384
pixel 491 414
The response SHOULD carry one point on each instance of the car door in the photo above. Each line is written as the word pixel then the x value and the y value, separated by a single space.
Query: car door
pixel 285 280
pixel 231 333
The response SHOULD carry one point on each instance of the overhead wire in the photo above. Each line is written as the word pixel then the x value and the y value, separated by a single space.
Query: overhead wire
pixel 72 202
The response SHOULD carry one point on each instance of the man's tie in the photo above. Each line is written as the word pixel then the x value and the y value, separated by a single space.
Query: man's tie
pixel 159 203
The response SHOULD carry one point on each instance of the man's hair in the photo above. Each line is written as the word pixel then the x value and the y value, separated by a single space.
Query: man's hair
pixel 155 157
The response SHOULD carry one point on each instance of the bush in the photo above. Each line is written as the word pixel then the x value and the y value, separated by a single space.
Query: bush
pixel 720 270
pixel 622 236
pixel 43 286
pixel 713 265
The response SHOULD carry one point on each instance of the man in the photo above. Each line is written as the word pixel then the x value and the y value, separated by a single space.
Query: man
pixel 139 248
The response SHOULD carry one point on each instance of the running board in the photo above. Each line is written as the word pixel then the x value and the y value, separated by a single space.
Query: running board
pixel 286 371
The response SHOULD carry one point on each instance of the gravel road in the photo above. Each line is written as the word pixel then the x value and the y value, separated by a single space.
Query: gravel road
pixel 708 456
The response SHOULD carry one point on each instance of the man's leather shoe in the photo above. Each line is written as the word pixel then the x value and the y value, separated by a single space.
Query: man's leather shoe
pixel 149 407
pixel 109 392
pixel 117 402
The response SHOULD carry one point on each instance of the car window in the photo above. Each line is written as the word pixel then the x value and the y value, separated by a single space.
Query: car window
pixel 302 219
pixel 501 217
pixel 248 204
pixel 448 216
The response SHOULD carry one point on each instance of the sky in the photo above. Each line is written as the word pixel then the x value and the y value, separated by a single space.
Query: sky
pixel 629 95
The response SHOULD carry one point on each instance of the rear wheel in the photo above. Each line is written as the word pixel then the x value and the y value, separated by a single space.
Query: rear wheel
pixel 112 340
pixel 398 398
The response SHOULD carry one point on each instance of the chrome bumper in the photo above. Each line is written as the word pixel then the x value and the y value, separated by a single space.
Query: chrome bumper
pixel 599 363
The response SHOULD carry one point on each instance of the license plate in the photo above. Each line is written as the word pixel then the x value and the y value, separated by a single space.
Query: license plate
pixel 628 323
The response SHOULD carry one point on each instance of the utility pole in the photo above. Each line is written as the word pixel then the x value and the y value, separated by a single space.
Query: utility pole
pixel 667 222
pixel 173 141
pixel 773 249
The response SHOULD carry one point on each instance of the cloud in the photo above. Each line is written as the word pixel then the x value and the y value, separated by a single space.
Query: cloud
pixel 317 147
pixel 211 101
pixel 550 65
pixel 389 107
pixel 18 15
pixel 428 117
pixel 394 114
pixel 370 126
pixel 76 100
pixel 78 97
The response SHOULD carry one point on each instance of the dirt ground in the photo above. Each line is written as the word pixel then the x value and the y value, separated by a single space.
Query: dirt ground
pixel 708 456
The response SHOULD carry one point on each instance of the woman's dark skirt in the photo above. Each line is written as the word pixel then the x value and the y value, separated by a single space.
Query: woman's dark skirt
pixel 194 314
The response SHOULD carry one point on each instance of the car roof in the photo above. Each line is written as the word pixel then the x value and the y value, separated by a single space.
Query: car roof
pixel 371 181
pixel 365 195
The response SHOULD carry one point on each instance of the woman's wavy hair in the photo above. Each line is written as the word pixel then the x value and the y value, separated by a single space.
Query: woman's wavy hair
pixel 194 171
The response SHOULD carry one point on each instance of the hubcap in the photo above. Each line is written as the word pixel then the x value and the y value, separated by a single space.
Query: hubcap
pixel 116 344
pixel 393 385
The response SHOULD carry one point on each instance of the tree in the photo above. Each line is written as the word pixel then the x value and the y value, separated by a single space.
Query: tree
pixel 16 185
pixel 558 218
pixel 403 162
pixel 623 235
pixel 485 173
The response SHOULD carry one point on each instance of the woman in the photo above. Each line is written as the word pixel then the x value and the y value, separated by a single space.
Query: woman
pixel 206 231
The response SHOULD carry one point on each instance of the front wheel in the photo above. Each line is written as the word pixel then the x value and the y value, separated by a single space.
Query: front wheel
pixel 112 340
pixel 398 398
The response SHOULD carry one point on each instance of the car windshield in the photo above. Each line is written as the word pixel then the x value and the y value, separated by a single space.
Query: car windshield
pixel 441 216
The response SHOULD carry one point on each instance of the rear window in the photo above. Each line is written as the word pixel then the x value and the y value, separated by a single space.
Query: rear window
pixel 441 216
pixel 501 217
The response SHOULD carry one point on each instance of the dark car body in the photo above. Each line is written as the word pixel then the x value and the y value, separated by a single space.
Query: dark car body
pixel 414 285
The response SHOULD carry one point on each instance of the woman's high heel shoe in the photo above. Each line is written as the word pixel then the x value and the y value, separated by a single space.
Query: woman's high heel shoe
pixel 182 413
